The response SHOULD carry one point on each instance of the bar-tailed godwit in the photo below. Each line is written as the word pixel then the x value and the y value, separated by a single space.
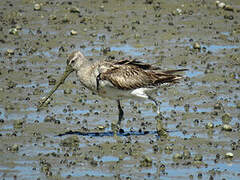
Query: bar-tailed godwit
pixel 118 79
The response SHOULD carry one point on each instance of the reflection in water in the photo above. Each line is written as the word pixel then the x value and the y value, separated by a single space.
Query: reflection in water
pixel 109 133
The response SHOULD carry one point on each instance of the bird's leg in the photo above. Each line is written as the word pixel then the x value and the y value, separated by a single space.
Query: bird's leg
pixel 120 113
pixel 116 127
pixel 156 103
pixel 161 131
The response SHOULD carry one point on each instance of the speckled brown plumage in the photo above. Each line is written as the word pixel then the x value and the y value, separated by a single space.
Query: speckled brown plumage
pixel 127 75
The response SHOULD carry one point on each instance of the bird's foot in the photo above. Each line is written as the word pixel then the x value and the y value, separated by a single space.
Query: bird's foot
pixel 161 131
pixel 116 128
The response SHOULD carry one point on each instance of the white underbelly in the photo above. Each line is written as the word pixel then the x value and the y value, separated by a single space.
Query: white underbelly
pixel 114 93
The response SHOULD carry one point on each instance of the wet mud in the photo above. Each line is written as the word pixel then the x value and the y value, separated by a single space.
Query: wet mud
pixel 72 137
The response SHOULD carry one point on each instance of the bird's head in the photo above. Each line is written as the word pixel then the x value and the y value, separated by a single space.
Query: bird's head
pixel 75 60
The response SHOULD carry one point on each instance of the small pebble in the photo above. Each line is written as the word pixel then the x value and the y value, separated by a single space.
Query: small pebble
pixel 101 127
pixel 179 11
pixel 73 32
pixel 218 106
pixel 10 52
pixel 49 118
pixel 229 155
pixel 93 162
pixel 75 10
pixel 227 127
pixel 106 50
pixel 11 84
pixel 228 8
pixel 168 149
pixel 217 2
pixel 186 154
pixel 198 157
pixel 13 31
pixel 102 8
pixel 37 7
pixel 14 148
pixel 137 36
pixel 229 17
pixel 18 124
pixel 177 156
pixel 196 45
pixel 210 125
pixel 52 17
pixel 93 35
pixel 45 167
pixel 221 5
pixel 146 162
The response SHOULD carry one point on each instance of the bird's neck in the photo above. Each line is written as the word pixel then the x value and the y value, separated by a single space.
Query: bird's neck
pixel 86 74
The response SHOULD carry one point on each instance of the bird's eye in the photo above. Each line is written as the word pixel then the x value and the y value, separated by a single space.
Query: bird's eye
pixel 73 61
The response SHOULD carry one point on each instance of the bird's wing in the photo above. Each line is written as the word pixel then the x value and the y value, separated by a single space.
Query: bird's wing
pixel 136 63
pixel 131 75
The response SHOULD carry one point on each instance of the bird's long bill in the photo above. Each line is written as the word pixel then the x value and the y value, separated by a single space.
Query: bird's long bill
pixel 66 73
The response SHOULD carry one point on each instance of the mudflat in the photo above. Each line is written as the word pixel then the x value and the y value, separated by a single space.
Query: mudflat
pixel 72 137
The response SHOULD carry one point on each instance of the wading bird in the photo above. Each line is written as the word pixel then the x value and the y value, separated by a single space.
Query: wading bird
pixel 118 79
